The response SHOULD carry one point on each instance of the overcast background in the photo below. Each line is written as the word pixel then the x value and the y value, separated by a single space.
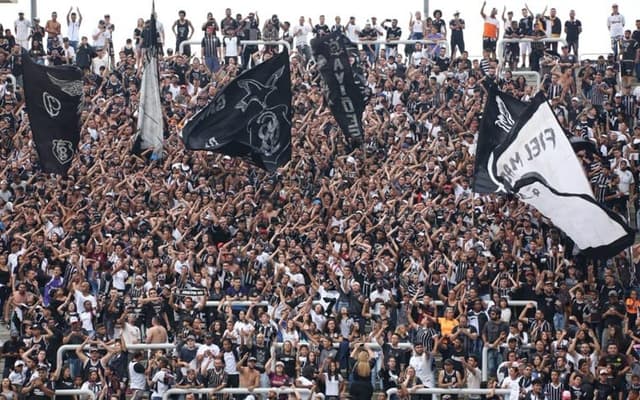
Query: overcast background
pixel 593 14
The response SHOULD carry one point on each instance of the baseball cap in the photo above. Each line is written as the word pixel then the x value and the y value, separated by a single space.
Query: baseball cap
pixel 73 319
pixel 18 363
pixel 603 371
pixel 613 293
pixel 252 359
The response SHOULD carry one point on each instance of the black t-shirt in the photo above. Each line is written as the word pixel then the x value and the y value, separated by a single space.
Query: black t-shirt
pixel 525 26
pixel 629 49
pixel 602 391
pixel 618 362
pixel 573 29
pixel 439 25
pixel 393 33
pixel 547 304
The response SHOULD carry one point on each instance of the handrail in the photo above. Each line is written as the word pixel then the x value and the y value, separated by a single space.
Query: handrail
pixel 247 303
pixel 268 42
pixel 500 49
pixel 75 392
pixel 485 363
pixel 442 42
pixel 140 346
pixel 249 42
pixel 526 73
pixel 235 391
pixel 186 43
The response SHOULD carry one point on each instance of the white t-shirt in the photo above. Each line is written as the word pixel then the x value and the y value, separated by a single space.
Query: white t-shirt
pixel 352 32
pixel 87 323
pixel 160 386
pixel 615 23
pixel 70 53
pixel 385 295
pixel 100 40
pixel 513 385
pixel 80 299
pixel 626 180
pixel 120 279
pixel 301 35
pixel 230 46
pixel 422 364
pixel 23 29
pixel 73 31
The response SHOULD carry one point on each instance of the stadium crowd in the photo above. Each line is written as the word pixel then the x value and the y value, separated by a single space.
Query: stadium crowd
pixel 349 272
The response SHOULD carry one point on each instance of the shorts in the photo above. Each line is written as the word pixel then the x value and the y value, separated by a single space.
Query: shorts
pixel 489 44
pixel 525 48
pixel 627 68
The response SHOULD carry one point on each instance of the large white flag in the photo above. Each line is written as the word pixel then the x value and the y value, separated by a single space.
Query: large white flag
pixel 537 163
pixel 150 123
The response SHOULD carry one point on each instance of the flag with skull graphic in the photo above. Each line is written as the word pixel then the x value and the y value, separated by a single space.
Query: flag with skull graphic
pixel 52 96
pixel 249 118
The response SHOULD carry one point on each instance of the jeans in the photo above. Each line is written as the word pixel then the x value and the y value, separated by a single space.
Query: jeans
pixel 558 321
pixel 74 44
pixel 76 366
pixel 305 51
pixel 615 45
pixel 212 63
pixel 494 358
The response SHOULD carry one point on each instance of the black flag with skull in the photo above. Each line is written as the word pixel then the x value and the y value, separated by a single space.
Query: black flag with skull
pixel 52 96
pixel 249 118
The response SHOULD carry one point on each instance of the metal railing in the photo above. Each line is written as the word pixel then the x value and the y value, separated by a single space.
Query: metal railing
pixel 534 74
pixel 443 43
pixel 247 303
pixel 170 392
pixel 245 42
pixel 75 392
pixel 141 346
pixel 437 392
pixel 304 391
pixel 500 49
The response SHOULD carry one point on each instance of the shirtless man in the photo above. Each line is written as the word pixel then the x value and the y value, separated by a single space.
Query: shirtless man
pixel 249 375
pixel 157 333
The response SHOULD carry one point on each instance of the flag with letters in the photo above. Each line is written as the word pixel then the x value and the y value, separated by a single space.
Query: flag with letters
pixel 52 96
pixel 150 120
pixel 344 84
pixel 497 119
pixel 249 118
pixel 537 163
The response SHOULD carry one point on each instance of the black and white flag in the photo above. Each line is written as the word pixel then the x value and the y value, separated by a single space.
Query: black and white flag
pixel 500 112
pixel 538 164
pixel 345 87
pixel 150 120
pixel 52 96
pixel 249 118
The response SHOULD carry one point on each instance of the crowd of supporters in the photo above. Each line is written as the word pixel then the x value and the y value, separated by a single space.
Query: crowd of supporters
pixel 349 272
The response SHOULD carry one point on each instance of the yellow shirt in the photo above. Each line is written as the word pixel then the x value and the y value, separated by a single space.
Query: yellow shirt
pixel 447 325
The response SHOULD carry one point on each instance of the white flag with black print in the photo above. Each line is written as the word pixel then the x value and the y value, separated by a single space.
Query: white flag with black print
pixel 538 164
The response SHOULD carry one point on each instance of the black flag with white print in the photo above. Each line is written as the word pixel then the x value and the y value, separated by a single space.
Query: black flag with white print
pixel 501 110
pixel 249 118
pixel 52 96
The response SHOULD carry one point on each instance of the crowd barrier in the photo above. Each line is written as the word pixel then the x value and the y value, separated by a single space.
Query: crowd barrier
pixel 247 42
pixel 302 391
pixel 437 392
pixel 142 346
pixel 75 392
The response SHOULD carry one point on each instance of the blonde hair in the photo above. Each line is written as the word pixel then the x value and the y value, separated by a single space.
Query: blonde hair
pixel 362 365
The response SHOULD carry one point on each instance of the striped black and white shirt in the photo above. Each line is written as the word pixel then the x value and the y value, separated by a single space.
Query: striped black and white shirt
pixel 553 392
pixel 210 45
